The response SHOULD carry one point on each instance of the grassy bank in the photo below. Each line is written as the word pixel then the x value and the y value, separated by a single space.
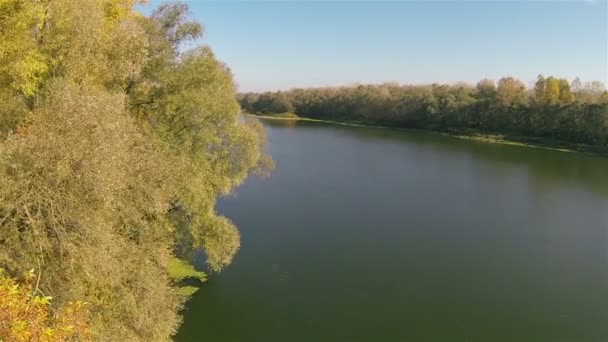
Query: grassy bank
pixel 294 117
pixel 486 137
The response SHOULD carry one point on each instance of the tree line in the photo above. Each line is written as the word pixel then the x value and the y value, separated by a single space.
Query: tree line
pixel 116 138
pixel 553 108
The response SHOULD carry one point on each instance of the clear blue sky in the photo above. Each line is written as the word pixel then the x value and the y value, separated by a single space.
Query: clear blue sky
pixel 272 45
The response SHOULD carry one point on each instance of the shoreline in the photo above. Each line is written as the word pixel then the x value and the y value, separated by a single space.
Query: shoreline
pixel 299 118
pixel 479 137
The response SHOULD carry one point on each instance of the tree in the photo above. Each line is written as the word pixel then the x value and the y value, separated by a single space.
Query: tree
pixel 280 104
pixel 114 145
pixel 511 93
pixel 25 314
pixel 486 90
pixel 590 92
pixel 552 91
pixel 539 90
pixel 565 94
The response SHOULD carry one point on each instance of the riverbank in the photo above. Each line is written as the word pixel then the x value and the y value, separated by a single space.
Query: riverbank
pixel 485 137
pixel 294 117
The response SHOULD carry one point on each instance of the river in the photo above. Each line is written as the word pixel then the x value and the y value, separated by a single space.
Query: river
pixel 366 234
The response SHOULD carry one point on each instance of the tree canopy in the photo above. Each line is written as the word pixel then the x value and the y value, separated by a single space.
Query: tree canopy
pixel 555 109
pixel 115 141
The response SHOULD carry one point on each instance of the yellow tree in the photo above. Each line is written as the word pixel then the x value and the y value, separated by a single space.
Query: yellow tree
pixel 511 93
pixel 25 314
pixel 565 94
pixel 552 91
pixel 114 146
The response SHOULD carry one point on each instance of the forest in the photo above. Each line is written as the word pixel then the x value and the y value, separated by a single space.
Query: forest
pixel 553 109
pixel 118 131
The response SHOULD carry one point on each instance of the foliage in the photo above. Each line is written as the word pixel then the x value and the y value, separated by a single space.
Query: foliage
pixel 25 314
pixel 115 141
pixel 553 109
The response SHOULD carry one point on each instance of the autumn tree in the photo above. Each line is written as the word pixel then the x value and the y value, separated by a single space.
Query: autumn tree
pixel 25 314
pixel 115 141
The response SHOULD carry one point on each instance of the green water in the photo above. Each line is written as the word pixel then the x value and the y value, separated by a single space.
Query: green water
pixel 379 235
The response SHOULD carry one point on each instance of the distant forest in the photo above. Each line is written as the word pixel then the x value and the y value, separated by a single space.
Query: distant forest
pixel 554 109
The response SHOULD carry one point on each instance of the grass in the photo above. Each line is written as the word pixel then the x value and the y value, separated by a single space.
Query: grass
pixel 534 142
pixel 501 139
pixel 286 115
pixel 295 117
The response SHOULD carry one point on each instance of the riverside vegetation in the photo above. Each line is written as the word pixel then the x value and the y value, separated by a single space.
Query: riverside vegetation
pixel 554 112
pixel 116 138
pixel 118 132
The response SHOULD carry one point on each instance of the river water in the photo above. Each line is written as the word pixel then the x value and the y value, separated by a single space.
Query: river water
pixel 365 234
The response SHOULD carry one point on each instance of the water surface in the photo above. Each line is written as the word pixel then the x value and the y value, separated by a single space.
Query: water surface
pixel 381 235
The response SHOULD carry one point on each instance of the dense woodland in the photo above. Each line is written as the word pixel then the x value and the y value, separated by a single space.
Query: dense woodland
pixel 553 109
pixel 116 138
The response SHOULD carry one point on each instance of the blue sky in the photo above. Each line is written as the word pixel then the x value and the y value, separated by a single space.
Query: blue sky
pixel 272 45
